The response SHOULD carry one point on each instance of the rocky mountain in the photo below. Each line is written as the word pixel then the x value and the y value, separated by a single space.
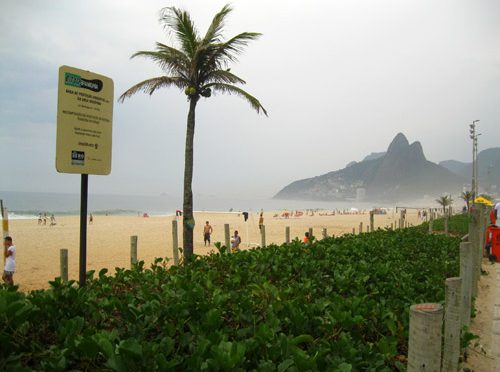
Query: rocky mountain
pixel 401 173
pixel 489 167
pixel 374 155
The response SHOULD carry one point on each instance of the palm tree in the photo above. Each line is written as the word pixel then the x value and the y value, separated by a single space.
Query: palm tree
pixel 466 196
pixel 444 201
pixel 199 66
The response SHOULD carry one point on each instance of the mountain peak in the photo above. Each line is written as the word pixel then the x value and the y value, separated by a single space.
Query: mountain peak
pixel 417 152
pixel 399 142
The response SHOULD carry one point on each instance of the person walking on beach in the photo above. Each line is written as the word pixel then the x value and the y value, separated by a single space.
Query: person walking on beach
pixel 52 220
pixel 235 242
pixel 9 253
pixel 207 232
pixel 40 219
pixel 45 219
pixel 91 219
pixel 261 220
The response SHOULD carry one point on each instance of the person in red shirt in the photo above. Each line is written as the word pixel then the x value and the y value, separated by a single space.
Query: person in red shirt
pixel 306 237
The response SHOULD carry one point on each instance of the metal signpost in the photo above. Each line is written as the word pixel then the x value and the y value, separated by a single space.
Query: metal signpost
pixel 84 135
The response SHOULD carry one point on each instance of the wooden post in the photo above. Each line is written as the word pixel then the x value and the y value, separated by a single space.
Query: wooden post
pixel 227 237
pixel 360 227
pixel 372 220
pixel 401 219
pixel 353 231
pixel 430 225
pixel 5 221
pixel 64 264
pixel 310 233
pixel 466 263
pixel 325 233
pixel 392 226
pixel 133 250
pixel 263 236
pixel 452 324
pixel 446 218
pixel 175 242
pixel 424 345
pixel 367 228
pixel 287 234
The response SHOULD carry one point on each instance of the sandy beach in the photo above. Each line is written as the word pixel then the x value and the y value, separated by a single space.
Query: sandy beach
pixel 38 247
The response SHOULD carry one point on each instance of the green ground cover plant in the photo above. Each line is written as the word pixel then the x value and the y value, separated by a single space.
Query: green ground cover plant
pixel 339 304
pixel 457 225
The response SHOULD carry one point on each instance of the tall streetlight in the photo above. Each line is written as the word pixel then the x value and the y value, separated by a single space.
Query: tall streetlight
pixel 473 137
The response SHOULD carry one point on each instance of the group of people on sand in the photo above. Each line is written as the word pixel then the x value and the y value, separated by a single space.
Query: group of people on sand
pixel 207 235
pixel 42 219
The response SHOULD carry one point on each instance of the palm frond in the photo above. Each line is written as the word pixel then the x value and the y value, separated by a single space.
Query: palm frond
pixel 223 76
pixel 151 85
pixel 231 89
pixel 214 32
pixel 170 60
pixel 229 50
pixel 181 23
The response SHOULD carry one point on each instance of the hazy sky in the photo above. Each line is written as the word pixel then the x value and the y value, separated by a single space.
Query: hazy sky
pixel 339 79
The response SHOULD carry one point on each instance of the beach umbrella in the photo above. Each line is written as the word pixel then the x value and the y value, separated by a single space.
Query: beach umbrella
pixel 482 200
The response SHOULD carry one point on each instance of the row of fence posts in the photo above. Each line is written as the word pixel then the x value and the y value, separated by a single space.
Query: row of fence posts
pixel 227 240
pixel 428 348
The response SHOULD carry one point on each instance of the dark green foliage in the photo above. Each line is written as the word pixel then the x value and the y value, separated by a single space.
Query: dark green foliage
pixel 337 304
pixel 457 225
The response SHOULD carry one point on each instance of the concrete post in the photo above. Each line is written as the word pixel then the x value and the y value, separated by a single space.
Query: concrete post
pixel 227 236
pixel 474 239
pixel 372 220
pixel 466 263
pixel 133 250
pixel 263 236
pixel 360 227
pixel 430 225
pixel 452 324
pixel 287 234
pixel 325 233
pixel 424 345
pixel 64 264
pixel 482 229
pixel 175 242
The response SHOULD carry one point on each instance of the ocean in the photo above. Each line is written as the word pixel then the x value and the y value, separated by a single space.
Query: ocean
pixel 30 204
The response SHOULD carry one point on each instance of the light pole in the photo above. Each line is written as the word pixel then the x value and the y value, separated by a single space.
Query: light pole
pixel 473 137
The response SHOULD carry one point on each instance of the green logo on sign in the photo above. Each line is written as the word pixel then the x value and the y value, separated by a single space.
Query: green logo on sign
pixel 72 80
pixel 77 81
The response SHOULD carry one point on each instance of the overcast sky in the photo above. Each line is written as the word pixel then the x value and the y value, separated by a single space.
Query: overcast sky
pixel 339 79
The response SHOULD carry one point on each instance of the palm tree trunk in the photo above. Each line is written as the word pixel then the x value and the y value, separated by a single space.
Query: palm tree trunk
pixel 188 221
